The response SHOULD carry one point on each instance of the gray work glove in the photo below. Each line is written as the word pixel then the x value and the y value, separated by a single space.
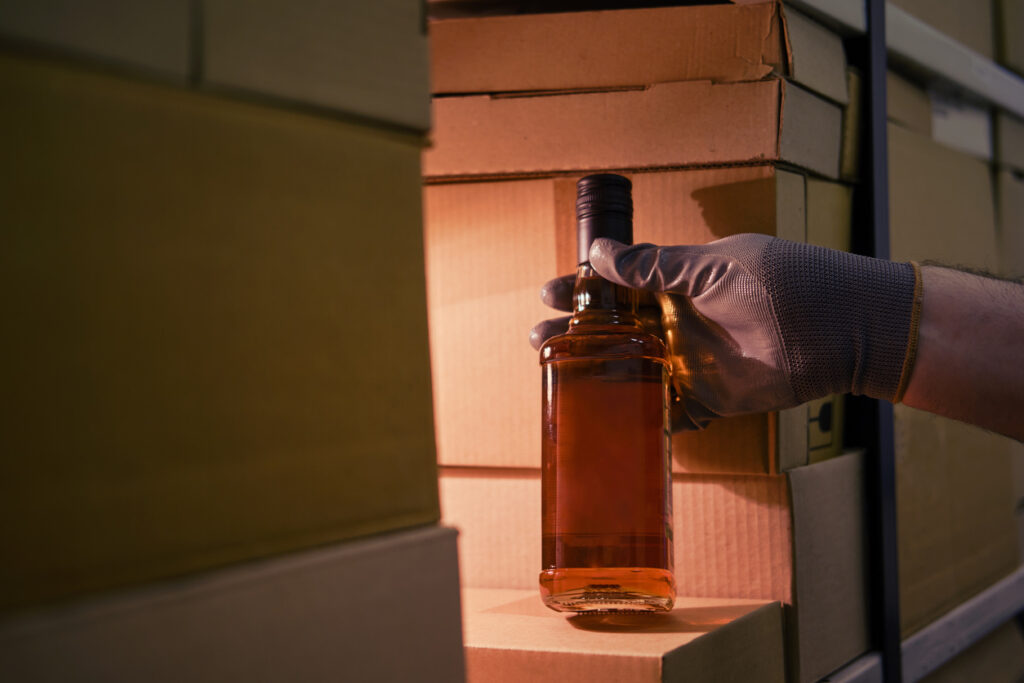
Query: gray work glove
pixel 754 323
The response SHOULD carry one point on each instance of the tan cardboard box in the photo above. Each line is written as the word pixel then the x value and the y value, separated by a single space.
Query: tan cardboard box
pixel 1009 141
pixel 997 657
pixel 796 538
pixel 955 226
pixel 368 59
pixel 967 21
pixel 1010 33
pixel 336 613
pixel 621 48
pixel 955 511
pixel 955 498
pixel 849 154
pixel 950 120
pixel 153 38
pixel 491 245
pixel 665 125
pixel 215 326
pixel 907 104
pixel 1010 217
pixel 511 637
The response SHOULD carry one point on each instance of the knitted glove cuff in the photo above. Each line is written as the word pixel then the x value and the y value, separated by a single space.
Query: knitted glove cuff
pixel 848 323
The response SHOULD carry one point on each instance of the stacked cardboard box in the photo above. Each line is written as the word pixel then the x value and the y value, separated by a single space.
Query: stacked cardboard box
pixel 217 341
pixel 1009 24
pixel 969 22
pixel 955 491
pixel 727 119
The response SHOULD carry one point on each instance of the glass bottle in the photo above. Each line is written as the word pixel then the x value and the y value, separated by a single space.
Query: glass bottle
pixel 607 494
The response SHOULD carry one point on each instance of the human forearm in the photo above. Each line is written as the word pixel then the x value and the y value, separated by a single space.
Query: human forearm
pixel 970 355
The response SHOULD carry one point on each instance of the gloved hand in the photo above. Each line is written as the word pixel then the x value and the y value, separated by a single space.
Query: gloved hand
pixel 754 323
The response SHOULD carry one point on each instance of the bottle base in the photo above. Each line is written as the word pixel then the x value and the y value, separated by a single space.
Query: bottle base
pixel 613 589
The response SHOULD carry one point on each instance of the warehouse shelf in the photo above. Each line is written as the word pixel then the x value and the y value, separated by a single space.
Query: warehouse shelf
pixel 946 637
pixel 917 47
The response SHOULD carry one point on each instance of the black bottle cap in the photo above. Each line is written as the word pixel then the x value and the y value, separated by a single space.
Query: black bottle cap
pixel 604 208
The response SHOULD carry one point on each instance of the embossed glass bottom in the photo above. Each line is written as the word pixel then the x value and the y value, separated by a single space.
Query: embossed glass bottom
pixel 633 589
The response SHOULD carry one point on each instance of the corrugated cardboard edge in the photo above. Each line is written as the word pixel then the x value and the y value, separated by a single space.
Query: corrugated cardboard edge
pixel 849 164
pixel 825 70
pixel 811 131
pixel 827 624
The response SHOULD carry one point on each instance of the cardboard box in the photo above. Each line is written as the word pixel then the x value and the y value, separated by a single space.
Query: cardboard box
pixel 153 37
pixel 946 118
pixel 336 613
pixel 907 104
pixel 1010 33
pixel 997 657
pixel 490 246
pixel 967 21
pixel 961 125
pixel 1009 140
pixel 630 47
pixel 955 513
pixel 366 59
pixel 665 125
pixel 1010 217
pixel 511 636
pixel 853 125
pixel 204 371
pixel 797 538
pixel 956 225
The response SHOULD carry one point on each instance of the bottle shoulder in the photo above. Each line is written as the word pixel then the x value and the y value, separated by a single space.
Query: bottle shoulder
pixel 603 341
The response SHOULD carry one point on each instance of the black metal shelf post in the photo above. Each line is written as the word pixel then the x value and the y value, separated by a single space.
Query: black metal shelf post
pixel 871 421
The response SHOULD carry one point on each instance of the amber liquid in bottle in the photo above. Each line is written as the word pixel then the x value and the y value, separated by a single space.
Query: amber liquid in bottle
pixel 606 509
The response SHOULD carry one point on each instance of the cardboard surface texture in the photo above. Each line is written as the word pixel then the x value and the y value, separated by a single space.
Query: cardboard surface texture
pixel 490 246
pixel 797 538
pixel 324 615
pixel 511 637
pixel 955 227
pixel 152 37
pixel 955 512
pixel 961 125
pixel 1009 141
pixel 849 154
pixel 1010 217
pixel 366 59
pixel 966 21
pixel 907 104
pixel 1010 33
pixel 666 125
pixel 620 48
pixel 205 373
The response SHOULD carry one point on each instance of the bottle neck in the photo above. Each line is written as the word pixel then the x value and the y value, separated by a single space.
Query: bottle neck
pixel 598 302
